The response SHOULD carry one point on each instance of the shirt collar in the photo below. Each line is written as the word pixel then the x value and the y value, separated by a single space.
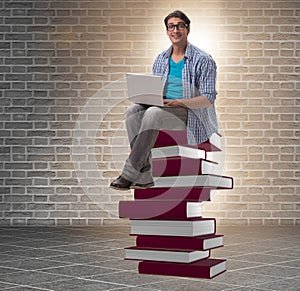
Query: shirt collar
pixel 187 54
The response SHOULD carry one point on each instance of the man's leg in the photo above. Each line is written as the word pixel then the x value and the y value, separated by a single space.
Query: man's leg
pixel 137 166
pixel 133 120
pixel 147 123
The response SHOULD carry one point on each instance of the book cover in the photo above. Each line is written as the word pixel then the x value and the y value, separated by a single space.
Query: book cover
pixel 159 209
pixel 180 166
pixel 207 268
pixel 189 227
pixel 175 193
pixel 213 181
pixel 202 243
pixel 179 137
pixel 165 255
pixel 178 150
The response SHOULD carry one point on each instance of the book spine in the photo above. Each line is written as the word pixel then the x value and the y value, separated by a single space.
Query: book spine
pixel 148 241
pixel 172 210
pixel 179 193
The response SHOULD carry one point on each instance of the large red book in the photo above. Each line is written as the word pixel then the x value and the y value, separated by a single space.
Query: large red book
pixel 179 137
pixel 159 209
pixel 176 193
pixel 180 166
pixel 189 228
pixel 207 268
pixel 202 243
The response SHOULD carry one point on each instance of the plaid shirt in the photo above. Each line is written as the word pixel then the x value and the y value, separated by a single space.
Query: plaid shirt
pixel 198 78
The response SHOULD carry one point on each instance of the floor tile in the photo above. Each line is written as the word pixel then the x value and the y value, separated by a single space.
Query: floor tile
pixel 29 277
pixel 8 258
pixel 290 263
pixel 116 253
pixel 274 271
pixel 259 258
pixel 280 285
pixel 236 265
pixel 80 284
pixel 285 252
pixel 189 285
pixel 248 288
pixel 130 278
pixel 78 270
pixel 80 247
pixel 38 243
pixel 4 286
pixel 241 278
pixel 7 270
pixel 24 288
pixel 119 264
pixel 33 264
pixel 80 258
pixel 8 248
pixel 35 253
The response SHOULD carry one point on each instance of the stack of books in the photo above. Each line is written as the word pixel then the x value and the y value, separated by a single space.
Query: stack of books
pixel 172 237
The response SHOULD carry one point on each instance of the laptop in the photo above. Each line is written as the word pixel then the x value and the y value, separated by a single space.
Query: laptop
pixel 145 89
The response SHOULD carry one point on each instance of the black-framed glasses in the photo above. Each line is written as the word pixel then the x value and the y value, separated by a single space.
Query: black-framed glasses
pixel 179 26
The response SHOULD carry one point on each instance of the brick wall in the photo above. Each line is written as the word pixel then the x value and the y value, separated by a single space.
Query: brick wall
pixel 62 102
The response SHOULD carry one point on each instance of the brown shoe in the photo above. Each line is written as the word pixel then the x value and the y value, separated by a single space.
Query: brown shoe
pixel 120 184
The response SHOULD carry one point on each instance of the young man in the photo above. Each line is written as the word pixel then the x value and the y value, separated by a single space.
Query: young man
pixel 189 77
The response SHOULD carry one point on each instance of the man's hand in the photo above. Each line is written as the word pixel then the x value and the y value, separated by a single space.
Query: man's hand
pixel 173 102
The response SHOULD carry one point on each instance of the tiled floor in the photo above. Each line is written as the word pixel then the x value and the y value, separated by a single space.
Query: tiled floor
pixel 91 258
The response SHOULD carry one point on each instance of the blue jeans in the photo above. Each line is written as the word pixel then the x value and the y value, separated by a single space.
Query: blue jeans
pixel 143 123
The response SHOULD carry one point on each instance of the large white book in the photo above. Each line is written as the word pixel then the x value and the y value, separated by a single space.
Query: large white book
pixel 176 256
pixel 193 227
pixel 213 181
pixel 178 150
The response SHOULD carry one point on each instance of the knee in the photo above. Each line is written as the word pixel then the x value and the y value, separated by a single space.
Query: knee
pixel 153 115
pixel 133 109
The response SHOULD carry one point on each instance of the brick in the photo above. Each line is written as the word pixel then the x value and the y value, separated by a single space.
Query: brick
pixel 63 214
pixel 237 221
pixel 18 198
pixel 41 221
pixel 18 214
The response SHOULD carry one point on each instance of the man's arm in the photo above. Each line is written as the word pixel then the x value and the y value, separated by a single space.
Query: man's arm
pixel 192 103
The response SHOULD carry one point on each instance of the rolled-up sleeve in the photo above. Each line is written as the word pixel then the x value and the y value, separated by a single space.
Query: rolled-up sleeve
pixel 207 79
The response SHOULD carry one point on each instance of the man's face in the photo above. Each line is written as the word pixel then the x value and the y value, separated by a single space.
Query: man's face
pixel 179 33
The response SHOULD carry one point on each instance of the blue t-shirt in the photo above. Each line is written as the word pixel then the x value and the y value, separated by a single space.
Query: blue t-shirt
pixel 174 84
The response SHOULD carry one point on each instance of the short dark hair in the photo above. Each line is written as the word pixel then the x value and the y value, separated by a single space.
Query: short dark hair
pixel 178 14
